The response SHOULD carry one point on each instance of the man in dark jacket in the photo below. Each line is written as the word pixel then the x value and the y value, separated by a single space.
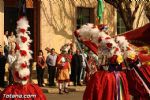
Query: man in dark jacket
pixel 2 67
pixel 76 65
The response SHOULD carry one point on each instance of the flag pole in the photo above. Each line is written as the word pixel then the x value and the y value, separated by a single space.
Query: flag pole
pixel 78 44
pixel 144 84
pixel 139 76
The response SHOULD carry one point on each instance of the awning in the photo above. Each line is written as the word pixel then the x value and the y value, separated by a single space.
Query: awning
pixel 139 36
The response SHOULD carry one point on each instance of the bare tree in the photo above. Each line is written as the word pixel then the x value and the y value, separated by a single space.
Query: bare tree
pixel 128 10
pixel 147 10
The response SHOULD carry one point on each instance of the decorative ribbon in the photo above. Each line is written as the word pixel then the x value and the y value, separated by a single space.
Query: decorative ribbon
pixel 119 95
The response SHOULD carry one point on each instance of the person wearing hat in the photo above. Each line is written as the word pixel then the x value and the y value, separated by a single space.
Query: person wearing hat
pixel 2 67
pixel 63 69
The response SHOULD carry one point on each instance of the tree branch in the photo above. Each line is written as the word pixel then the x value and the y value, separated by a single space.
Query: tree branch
pixel 112 2
pixel 142 9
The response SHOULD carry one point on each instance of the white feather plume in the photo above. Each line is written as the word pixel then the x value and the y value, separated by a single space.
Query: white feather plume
pixel 125 47
pixel 23 23
pixel 23 41
pixel 91 32
pixel 24 72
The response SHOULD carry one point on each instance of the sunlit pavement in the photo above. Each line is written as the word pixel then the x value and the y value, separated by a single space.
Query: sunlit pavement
pixel 51 93
pixel 69 96
pixel 54 90
pixel 75 93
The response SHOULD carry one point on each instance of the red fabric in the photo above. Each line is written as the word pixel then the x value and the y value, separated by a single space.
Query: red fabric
pixel 17 47
pixel 23 65
pixel 23 39
pixel 144 57
pixel 23 53
pixel 144 51
pixel 102 86
pixel 22 30
pixel 65 65
pixel 58 58
pixel 141 34
pixel 91 46
pixel 41 61
pixel 16 89
pixel 62 81
pixel 137 89
pixel 69 57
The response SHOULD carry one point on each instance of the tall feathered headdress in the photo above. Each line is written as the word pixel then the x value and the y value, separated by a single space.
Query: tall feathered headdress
pixel 21 71
pixel 126 48
pixel 106 45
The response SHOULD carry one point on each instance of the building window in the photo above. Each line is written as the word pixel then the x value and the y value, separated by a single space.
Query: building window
pixel 84 15
pixel 120 25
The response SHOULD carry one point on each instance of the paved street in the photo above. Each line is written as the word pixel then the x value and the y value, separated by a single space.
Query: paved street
pixel 54 90
pixel 70 96
pixel 76 93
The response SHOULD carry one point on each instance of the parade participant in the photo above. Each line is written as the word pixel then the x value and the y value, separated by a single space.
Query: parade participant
pixel 12 41
pixel 6 46
pixel 84 57
pixel 110 82
pixel 51 63
pixel 137 72
pixel 69 58
pixel 63 69
pixel 40 68
pixel 2 67
pixel 20 68
pixel 76 66
pixel 91 68
pixel 11 59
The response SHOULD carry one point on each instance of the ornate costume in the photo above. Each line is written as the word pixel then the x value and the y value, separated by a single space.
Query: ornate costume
pixel 110 82
pixel 137 73
pixel 21 88
pixel 63 69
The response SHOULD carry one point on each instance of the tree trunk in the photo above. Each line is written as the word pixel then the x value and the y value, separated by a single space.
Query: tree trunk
pixel 128 11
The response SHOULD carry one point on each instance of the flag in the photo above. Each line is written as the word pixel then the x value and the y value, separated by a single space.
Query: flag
pixel 100 9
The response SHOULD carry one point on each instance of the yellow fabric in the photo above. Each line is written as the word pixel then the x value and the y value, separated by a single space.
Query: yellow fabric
pixel 119 59
pixel 63 74
pixel 131 56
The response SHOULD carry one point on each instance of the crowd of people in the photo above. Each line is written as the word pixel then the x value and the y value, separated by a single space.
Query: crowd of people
pixel 8 56
pixel 63 68
pixel 66 67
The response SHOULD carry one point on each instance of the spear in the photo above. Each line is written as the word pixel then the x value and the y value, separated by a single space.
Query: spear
pixel 136 70
pixel 79 46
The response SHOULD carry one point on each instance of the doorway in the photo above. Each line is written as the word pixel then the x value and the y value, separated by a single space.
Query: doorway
pixel 11 16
